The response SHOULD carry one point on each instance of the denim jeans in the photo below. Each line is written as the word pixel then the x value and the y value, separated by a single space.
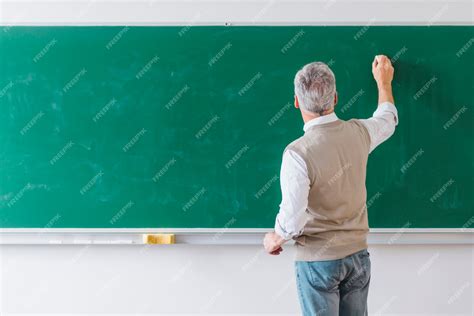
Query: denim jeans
pixel 334 287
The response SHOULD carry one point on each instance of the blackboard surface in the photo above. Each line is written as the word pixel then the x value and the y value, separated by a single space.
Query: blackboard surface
pixel 184 127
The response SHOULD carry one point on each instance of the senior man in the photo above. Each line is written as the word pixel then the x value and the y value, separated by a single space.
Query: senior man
pixel 323 192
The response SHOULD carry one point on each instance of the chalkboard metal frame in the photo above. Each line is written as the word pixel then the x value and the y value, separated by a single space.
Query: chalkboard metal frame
pixel 198 236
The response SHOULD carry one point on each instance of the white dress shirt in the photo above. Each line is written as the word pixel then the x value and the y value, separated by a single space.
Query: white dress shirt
pixel 294 178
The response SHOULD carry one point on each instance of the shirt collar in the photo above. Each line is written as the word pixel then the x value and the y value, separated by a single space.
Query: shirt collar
pixel 320 120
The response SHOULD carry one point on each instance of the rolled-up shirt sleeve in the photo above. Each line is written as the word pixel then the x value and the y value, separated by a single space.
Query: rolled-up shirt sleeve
pixel 382 124
pixel 295 187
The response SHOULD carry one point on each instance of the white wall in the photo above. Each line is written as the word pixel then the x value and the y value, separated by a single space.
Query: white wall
pixel 406 279
pixel 129 12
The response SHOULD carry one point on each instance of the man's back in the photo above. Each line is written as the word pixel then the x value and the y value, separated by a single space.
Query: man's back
pixel 335 155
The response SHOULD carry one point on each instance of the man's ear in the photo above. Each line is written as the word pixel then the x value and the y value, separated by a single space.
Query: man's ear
pixel 335 99
pixel 297 104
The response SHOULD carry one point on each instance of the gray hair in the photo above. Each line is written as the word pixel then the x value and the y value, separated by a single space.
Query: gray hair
pixel 315 87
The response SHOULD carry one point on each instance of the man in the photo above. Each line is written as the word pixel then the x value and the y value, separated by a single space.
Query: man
pixel 323 192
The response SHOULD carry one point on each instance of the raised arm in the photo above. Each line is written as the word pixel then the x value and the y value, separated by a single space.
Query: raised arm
pixel 382 123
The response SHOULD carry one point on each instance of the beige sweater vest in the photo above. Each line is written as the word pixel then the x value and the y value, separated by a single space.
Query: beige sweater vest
pixel 336 218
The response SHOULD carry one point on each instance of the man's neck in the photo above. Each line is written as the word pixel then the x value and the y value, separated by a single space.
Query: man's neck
pixel 307 116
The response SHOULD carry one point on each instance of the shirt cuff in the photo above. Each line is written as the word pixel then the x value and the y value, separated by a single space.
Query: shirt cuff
pixel 280 232
pixel 386 107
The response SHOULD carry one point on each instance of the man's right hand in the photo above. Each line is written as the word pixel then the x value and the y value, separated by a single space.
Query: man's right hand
pixel 382 70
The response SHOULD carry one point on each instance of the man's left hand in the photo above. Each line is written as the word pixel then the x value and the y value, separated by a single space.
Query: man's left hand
pixel 272 243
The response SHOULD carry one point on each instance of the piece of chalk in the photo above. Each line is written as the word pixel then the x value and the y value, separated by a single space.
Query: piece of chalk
pixel 121 241
pixel 159 239
pixel 82 241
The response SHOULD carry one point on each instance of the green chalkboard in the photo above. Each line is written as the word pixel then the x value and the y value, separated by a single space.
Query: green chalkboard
pixel 139 127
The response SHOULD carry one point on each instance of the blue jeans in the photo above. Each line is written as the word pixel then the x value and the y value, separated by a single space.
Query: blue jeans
pixel 334 287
